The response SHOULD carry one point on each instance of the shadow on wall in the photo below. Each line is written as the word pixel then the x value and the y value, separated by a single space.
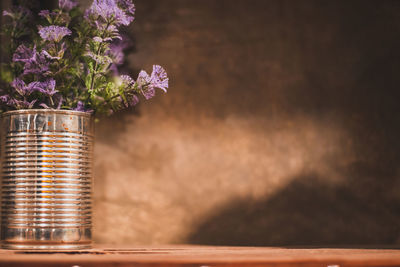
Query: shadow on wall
pixel 308 212
pixel 307 60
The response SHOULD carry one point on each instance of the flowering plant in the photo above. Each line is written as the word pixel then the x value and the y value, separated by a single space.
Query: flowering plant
pixel 70 61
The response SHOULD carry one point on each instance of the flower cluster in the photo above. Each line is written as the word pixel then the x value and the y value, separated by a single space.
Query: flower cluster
pixel 72 62
pixel 67 4
pixel 53 33
pixel 111 12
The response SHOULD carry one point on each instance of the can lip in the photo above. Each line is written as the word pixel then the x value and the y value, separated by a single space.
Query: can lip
pixel 46 111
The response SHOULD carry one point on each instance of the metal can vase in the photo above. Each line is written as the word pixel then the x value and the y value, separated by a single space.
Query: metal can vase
pixel 46 182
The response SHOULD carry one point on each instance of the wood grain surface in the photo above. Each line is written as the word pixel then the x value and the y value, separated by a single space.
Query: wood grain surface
pixel 202 256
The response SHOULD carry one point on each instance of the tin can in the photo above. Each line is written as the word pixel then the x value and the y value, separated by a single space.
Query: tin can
pixel 46 186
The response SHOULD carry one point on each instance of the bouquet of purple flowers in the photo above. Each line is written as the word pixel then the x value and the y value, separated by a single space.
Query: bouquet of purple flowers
pixel 67 58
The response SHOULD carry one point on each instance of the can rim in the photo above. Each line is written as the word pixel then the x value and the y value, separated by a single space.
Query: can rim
pixel 46 111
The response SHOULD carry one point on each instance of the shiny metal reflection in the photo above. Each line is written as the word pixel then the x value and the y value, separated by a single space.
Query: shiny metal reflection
pixel 47 179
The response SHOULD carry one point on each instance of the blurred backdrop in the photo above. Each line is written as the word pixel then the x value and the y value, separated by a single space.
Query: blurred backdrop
pixel 281 127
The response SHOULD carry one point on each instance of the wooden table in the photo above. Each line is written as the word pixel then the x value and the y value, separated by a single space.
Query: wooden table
pixel 202 256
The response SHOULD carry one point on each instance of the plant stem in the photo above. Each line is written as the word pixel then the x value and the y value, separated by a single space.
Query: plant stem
pixel 51 101
pixel 97 54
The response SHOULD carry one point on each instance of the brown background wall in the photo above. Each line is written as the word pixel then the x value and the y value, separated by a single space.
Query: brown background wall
pixel 280 128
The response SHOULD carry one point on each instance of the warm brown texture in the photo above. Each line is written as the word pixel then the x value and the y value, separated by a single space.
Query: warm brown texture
pixel 281 127
pixel 198 256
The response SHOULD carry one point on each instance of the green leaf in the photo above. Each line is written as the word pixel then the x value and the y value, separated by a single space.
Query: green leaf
pixel 88 81
pixel 91 66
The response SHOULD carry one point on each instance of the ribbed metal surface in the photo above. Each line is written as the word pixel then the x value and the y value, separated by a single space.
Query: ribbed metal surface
pixel 46 183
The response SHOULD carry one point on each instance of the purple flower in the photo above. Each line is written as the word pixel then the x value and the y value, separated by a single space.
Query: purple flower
pixel 18 104
pixel 44 105
pixel 67 4
pixel 80 106
pixel 6 99
pixel 34 63
pixel 144 84
pixel 8 13
pixel 128 6
pixel 147 84
pixel 149 92
pixel 47 87
pixel 109 12
pixel 116 51
pixel 22 104
pixel 20 86
pixel 23 89
pixel 46 54
pixel 53 33
pixel 24 54
pixel 47 14
pixel 44 13
pixel 101 40
pixel 57 98
pixel 18 13
pixel 127 81
pixel 60 101
pixel 159 78
pixel 39 65
pixel 133 100
pixel 99 58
